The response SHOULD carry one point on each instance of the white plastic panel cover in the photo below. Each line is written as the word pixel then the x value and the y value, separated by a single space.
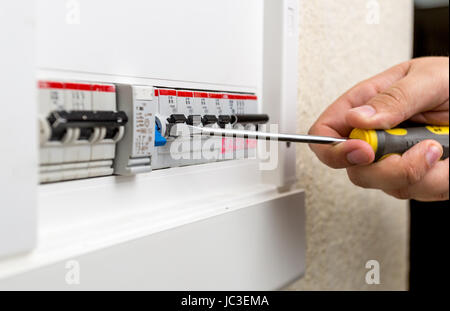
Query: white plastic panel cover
pixel 18 151
pixel 211 41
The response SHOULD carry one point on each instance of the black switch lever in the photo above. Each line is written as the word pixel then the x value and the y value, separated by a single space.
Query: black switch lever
pixel 194 119
pixel 209 119
pixel 86 121
pixel 224 120
pixel 177 118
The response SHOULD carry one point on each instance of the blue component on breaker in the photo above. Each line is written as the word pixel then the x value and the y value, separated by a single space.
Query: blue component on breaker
pixel 159 139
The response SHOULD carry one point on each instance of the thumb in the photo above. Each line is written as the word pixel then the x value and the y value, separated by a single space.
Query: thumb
pixel 415 93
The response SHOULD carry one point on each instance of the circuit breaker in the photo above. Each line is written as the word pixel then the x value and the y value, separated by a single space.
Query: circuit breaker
pixel 135 151
pixel 201 108
pixel 79 127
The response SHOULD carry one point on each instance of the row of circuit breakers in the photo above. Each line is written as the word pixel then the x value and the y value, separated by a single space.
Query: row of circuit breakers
pixel 89 130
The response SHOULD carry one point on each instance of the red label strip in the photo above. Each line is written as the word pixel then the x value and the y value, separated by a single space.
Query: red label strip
pixel 242 97
pixel 76 86
pixel 216 95
pixel 200 94
pixel 184 94
pixel 165 92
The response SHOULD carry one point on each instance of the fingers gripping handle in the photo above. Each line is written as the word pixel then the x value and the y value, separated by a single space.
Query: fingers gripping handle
pixel 399 140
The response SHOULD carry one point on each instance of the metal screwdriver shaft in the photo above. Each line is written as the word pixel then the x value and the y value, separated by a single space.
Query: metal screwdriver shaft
pixel 205 131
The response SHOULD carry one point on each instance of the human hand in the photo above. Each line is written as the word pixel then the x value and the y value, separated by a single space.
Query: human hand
pixel 417 90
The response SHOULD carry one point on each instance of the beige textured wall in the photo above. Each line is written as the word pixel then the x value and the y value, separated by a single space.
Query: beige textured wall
pixel 347 226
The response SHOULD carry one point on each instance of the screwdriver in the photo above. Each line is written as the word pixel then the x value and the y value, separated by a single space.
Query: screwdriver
pixel 383 142
pixel 399 140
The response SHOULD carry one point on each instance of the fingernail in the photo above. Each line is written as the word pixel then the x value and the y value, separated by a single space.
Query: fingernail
pixel 365 111
pixel 357 157
pixel 433 155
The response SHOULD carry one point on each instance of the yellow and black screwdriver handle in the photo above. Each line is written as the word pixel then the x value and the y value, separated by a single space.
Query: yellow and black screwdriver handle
pixel 398 140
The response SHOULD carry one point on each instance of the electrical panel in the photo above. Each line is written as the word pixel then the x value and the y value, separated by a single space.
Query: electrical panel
pixel 105 98
pixel 98 129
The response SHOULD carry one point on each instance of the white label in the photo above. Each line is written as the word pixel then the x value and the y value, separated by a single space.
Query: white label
pixel 168 102
pixel 185 101
pixel 232 106
pixel 203 105
pixel 51 99
pixel 240 106
pixel 189 107
pixel 78 100
pixel 226 106
pixel 144 128
pixel 215 102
